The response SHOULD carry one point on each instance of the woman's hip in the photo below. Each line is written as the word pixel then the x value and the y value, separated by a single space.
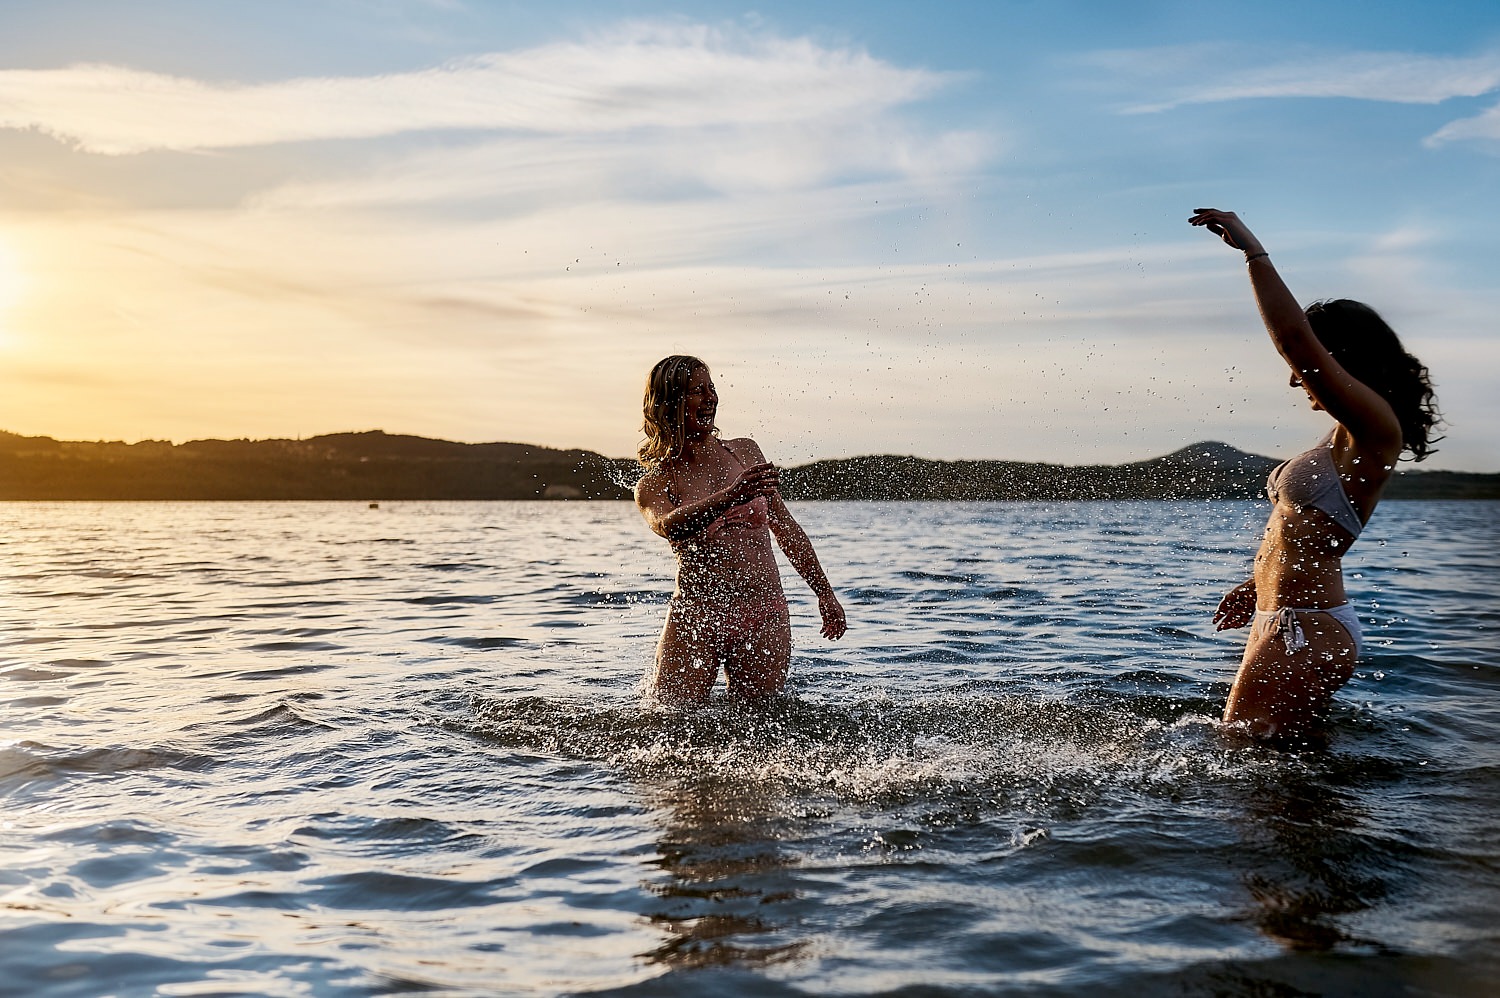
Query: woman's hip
pixel 1297 626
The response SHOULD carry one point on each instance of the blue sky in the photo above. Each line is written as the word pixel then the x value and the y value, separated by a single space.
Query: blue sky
pixel 955 230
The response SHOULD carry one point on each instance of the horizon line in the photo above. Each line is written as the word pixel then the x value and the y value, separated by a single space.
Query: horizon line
pixel 518 443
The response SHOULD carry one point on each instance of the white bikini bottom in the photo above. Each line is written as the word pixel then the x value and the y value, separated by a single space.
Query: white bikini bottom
pixel 1284 622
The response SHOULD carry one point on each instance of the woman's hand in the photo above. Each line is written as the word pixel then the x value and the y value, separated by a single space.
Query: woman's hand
pixel 1228 227
pixel 1237 608
pixel 832 612
pixel 755 481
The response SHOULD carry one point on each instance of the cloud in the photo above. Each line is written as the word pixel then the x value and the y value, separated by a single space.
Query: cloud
pixel 638 77
pixel 1397 77
pixel 280 323
pixel 523 173
pixel 1484 126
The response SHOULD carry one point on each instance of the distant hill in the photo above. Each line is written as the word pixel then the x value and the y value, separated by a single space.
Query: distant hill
pixel 375 465
pixel 360 466
pixel 1203 471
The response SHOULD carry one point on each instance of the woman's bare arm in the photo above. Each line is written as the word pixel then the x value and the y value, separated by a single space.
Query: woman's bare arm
pixel 798 548
pixel 678 523
pixel 1354 404
pixel 1237 608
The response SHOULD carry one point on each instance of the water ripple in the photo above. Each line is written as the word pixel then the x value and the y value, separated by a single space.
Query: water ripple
pixel 312 748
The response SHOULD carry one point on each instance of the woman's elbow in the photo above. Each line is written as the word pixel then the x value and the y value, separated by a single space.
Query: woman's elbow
pixel 656 523
pixel 678 530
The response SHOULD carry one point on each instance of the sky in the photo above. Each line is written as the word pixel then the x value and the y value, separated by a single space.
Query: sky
pixel 954 230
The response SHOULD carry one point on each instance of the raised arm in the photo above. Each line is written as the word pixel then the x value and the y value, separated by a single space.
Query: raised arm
pixel 678 523
pixel 1354 404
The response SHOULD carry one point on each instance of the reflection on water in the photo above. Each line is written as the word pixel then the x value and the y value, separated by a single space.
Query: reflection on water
pixel 1302 842
pixel 725 899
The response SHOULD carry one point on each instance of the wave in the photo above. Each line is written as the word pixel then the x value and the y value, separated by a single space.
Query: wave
pixel 24 761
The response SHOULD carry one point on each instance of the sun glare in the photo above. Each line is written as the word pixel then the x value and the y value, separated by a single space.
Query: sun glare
pixel 11 281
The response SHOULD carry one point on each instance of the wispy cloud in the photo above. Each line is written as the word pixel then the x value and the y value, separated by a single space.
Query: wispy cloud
pixel 640 77
pixel 1398 77
pixel 1484 126
pixel 523 173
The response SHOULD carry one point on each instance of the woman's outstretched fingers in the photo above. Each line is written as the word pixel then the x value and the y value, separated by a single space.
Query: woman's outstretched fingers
pixel 1227 226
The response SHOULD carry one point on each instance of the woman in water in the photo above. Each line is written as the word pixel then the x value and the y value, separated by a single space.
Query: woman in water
pixel 1304 635
pixel 717 503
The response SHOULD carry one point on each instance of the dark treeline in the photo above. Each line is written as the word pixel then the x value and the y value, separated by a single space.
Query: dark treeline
pixel 377 465
pixel 1203 471
pixel 361 466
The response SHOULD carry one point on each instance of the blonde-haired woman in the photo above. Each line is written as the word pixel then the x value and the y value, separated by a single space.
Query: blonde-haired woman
pixel 717 503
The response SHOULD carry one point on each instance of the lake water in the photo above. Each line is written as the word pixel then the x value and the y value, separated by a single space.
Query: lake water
pixel 319 749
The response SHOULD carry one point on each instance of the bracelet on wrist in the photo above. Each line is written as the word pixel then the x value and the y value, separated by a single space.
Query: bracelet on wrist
pixel 1256 256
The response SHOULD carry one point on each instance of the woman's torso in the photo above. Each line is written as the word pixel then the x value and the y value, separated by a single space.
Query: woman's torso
pixel 733 557
pixel 1320 500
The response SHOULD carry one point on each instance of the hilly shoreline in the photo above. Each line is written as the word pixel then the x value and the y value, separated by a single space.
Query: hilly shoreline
pixel 375 465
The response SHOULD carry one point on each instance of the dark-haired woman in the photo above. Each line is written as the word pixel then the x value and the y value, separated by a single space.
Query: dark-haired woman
pixel 1304 635
pixel 717 502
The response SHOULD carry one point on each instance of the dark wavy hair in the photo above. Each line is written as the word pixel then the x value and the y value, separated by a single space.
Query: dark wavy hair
pixel 662 409
pixel 1368 348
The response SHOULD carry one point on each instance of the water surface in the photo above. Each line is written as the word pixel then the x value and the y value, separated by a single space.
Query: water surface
pixel 320 749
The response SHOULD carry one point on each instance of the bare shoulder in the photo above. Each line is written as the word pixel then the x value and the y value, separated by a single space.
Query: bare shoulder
pixel 746 449
pixel 650 486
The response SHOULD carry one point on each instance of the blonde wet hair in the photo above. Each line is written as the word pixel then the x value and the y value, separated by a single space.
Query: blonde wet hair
pixel 662 409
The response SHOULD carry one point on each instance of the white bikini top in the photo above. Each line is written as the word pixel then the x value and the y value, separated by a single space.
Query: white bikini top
pixel 1312 479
